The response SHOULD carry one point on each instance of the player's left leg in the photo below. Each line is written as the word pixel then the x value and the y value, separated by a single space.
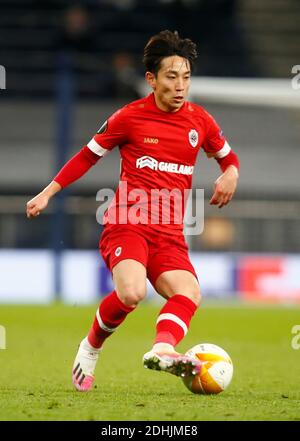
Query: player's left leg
pixel 181 289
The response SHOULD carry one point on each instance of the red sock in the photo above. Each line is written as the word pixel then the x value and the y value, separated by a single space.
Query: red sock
pixel 174 320
pixel 110 314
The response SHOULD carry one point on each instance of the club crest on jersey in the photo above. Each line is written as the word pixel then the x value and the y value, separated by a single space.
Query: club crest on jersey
pixel 118 251
pixel 193 137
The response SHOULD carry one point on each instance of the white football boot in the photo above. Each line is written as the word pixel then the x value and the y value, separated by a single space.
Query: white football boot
pixel 84 366
pixel 163 357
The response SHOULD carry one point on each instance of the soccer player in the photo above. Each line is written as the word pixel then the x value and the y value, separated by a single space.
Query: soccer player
pixel 159 137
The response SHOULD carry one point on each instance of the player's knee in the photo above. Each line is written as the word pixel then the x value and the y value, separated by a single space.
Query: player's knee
pixel 197 297
pixel 131 294
pixel 194 294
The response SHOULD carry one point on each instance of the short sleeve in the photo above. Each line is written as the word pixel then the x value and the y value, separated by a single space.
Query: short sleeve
pixel 111 134
pixel 214 142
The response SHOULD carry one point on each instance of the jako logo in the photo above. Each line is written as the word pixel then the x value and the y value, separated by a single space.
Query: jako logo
pixel 150 140
pixel 170 167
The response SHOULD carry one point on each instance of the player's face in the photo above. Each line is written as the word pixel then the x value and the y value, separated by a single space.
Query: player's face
pixel 171 83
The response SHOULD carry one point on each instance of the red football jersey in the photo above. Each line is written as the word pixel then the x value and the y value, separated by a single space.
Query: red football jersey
pixel 158 152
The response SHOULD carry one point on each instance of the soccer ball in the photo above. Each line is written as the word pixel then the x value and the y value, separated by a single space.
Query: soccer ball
pixel 216 370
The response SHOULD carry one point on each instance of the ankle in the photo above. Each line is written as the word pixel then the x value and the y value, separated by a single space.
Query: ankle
pixel 163 347
pixel 85 344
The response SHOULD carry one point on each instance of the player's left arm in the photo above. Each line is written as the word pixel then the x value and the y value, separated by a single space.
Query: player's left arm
pixel 216 146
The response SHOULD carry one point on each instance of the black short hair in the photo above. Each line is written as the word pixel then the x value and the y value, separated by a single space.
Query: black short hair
pixel 165 44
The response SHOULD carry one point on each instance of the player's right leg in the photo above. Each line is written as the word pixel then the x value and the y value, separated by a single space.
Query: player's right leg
pixel 109 315
pixel 129 277
pixel 125 253
pixel 130 281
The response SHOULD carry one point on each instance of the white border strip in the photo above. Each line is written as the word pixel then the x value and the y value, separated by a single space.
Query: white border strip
pixel 223 151
pixel 102 325
pixel 173 318
pixel 96 148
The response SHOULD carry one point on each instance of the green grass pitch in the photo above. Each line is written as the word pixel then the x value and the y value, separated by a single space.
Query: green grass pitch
pixel 42 343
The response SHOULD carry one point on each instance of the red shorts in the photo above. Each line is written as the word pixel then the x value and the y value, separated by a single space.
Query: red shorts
pixel 158 252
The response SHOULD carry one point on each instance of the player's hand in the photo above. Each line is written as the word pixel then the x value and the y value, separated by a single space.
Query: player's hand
pixel 225 187
pixel 40 201
pixel 36 205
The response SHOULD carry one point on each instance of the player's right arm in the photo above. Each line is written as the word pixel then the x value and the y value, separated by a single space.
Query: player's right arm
pixel 76 167
pixel 40 201
pixel 111 134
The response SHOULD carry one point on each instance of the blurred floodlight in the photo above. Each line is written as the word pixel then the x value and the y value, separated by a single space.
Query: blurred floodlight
pixel 243 91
